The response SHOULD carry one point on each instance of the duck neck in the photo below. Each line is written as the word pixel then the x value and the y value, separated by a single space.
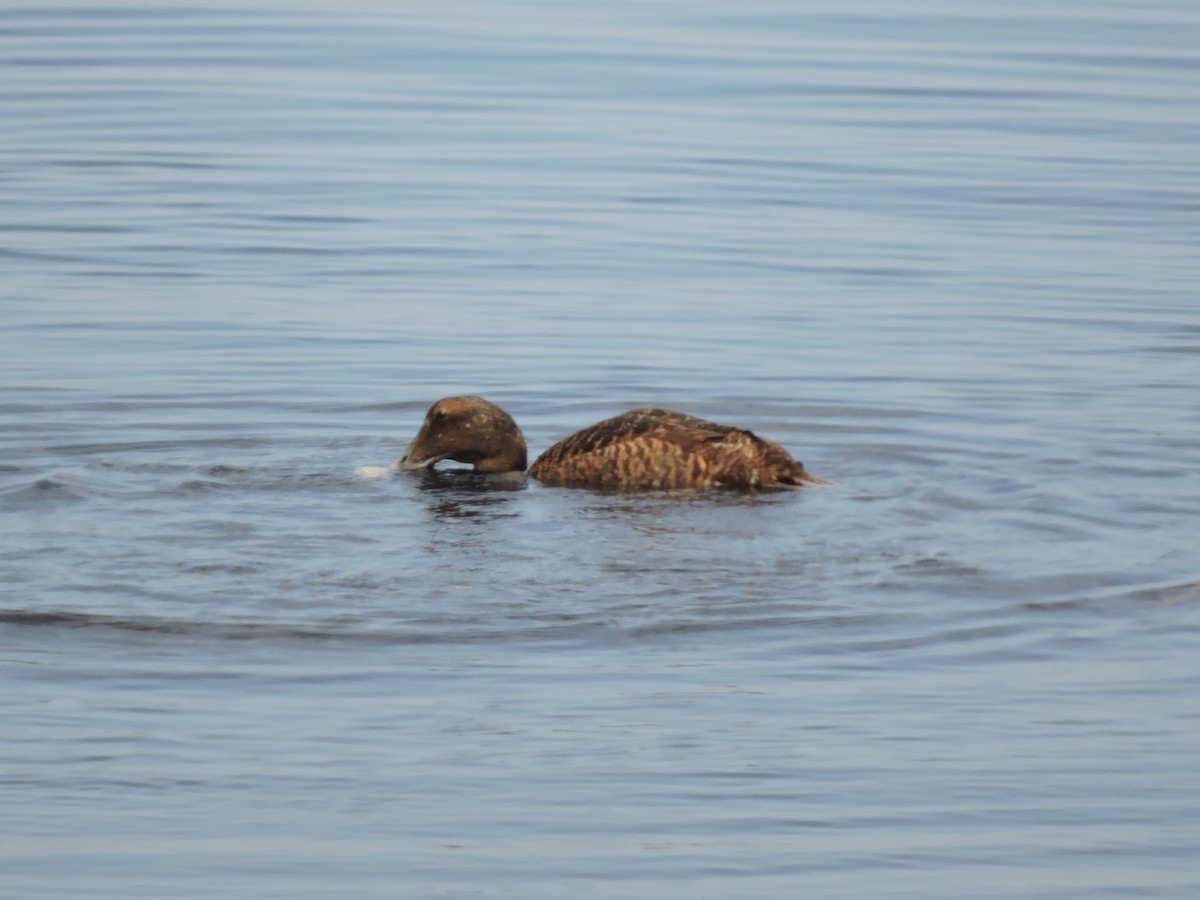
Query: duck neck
pixel 510 457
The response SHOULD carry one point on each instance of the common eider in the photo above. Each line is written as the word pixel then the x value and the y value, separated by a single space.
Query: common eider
pixel 648 449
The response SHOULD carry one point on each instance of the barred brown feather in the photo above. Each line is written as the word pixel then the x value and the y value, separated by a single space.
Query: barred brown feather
pixel 662 450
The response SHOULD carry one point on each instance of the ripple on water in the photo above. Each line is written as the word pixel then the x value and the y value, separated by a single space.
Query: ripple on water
pixel 44 492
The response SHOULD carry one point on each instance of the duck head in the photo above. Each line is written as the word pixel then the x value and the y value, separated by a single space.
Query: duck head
pixel 468 430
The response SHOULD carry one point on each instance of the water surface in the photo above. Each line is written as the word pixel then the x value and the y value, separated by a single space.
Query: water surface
pixel 946 254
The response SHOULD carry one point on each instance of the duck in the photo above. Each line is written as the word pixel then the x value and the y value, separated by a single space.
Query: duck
pixel 643 449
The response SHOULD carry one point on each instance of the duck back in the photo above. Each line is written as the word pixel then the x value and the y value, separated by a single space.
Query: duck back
pixel 659 449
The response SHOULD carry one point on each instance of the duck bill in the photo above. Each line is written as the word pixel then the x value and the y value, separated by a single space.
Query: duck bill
pixel 814 480
pixel 415 456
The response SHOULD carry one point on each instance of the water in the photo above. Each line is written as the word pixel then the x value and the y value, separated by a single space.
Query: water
pixel 945 253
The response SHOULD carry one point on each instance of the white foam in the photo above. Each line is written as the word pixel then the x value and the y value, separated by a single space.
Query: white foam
pixel 374 471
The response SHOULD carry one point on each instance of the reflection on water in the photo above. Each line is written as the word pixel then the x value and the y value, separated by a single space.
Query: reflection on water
pixel 467 482
pixel 461 494
pixel 945 258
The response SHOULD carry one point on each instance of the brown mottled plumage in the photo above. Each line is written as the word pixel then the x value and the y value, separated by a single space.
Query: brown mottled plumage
pixel 644 449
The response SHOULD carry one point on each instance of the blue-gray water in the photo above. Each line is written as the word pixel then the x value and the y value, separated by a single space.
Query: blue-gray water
pixel 947 253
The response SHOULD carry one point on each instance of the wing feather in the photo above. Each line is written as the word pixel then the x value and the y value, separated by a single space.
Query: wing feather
pixel 661 449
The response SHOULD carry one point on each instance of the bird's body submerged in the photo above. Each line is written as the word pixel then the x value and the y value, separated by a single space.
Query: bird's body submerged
pixel 661 450
pixel 648 449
